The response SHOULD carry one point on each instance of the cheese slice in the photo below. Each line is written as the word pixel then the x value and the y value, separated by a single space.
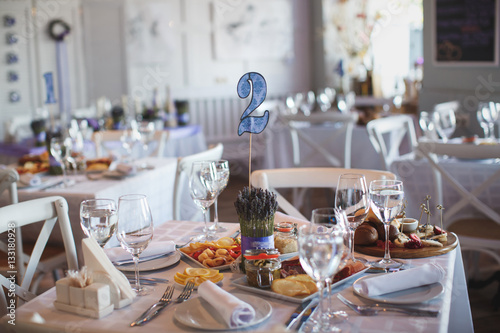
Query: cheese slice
pixel 96 260
pixel 430 242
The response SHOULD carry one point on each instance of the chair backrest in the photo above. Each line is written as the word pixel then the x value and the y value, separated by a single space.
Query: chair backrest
pixel 344 126
pixel 183 169
pixel 396 128
pixel 47 211
pixel 431 151
pixel 273 179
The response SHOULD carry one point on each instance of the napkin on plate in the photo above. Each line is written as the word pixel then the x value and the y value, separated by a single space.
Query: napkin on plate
pixel 234 311
pixel 29 179
pixel 154 248
pixel 280 217
pixel 410 278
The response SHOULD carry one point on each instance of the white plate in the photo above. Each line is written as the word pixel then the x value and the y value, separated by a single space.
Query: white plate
pixel 154 264
pixel 199 314
pixel 228 266
pixel 408 296
pixel 242 284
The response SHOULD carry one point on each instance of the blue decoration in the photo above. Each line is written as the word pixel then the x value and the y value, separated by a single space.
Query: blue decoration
pixel 49 84
pixel 340 68
pixel 258 88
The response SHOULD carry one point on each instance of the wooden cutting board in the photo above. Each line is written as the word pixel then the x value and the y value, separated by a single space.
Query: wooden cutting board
pixel 404 253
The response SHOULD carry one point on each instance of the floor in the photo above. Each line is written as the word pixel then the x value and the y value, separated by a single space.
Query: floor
pixel 485 316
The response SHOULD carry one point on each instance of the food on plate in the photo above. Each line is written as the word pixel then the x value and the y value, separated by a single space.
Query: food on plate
pixel 365 234
pixel 369 234
pixel 213 254
pixel 291 267
pixel 351 268
pixel 33 163
pixel 294 286
pixel 98 164
pixel 198 276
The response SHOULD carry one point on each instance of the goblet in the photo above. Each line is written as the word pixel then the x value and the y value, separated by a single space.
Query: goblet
pixel 147 132
pixel 135 231
pixel 352 197
pixel 98 219
pixel 445 123
pixel 387 201
pixel 320 253
pixel 329 218
pixel 203 185
pixel 222 168
pixel 60 148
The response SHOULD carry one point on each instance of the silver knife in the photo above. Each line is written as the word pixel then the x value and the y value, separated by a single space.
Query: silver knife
pixel 301 310
pixel 144 259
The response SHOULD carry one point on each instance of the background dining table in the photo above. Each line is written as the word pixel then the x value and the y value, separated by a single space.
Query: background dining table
pixel 156 182
pixel 39 315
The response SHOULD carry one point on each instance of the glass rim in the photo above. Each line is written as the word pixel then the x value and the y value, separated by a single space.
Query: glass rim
pixel 104 201
pixel 387 181
pixel 352 175
pixel 323 210
pixel 132 197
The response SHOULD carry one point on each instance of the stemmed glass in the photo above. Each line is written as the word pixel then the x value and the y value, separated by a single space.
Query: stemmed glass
pixel 222 168
pixel 387 201
pixel 147 132
pixel 60 148
pixel 352 197
pixel 203 185
pixel 330 219
pixel 135 231
pixel 427 125
pixel 445 123
pixel 98 219
pixel 482 118
pixel 320 253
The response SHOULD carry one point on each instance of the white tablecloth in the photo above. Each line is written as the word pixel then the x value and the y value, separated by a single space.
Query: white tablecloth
pixel 157 184
pixel 453 302
pixel 419 182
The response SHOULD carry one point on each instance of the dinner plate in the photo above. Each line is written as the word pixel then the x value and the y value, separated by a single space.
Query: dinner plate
pixel 151 265
pixel 243 284
pixel 408 296
pixel 199 314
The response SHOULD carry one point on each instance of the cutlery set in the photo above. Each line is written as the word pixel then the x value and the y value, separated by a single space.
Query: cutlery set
pixel 165 300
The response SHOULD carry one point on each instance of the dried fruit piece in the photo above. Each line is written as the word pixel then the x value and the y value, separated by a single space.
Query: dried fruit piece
pixel 438 230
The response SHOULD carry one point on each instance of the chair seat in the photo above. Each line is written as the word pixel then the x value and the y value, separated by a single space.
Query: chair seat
pixel 477 228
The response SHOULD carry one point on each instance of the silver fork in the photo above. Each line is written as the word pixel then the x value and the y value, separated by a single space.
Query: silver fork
pixel 374 309
pixel 186 292
pixel 165 299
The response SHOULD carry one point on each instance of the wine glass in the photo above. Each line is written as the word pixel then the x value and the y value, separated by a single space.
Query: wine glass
pixel 445 123
pixel 222 168
pixel 482 118
pixel 352 197
pixel 387 201
pixel 147 133
pixel 135 231
pixel 320 253
pixel 427 125
pixel 60 149
pixel 329 218
pixel 98 218
pixel 203 185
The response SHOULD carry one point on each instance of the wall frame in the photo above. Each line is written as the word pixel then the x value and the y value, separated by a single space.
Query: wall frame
pixel 465 33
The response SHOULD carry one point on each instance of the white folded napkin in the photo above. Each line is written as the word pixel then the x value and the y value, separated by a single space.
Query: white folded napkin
pixel 154 248
pixel 235 312
pixel 126 169
pixel 280 217
pixel 29 179
pixel 410 278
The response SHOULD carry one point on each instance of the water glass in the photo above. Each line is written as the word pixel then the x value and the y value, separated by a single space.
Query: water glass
pixel 222 169
pixel 135 231
pixel 352 197
pixel 320 253
pixel 98 219
pixel 387 202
